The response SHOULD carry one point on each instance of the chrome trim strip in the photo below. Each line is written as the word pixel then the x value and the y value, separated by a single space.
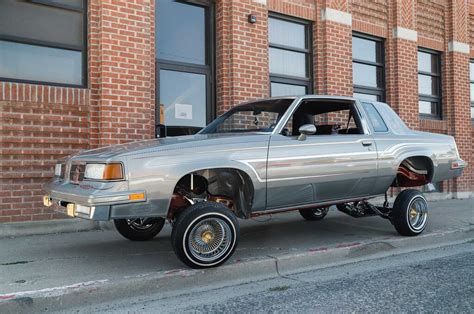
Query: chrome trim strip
pixel 320 204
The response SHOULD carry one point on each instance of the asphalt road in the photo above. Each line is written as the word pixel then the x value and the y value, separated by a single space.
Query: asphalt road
pixel 436 280
pixel 40 262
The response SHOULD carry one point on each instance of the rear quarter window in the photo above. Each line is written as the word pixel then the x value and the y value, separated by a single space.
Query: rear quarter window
pixel 375 118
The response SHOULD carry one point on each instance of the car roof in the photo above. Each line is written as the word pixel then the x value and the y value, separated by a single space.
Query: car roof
pixel 301 97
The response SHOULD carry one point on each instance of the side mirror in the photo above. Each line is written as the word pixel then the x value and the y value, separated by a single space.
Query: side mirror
pixel 306 129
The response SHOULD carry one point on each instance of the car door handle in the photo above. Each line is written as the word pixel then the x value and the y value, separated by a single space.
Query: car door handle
pixel 366 143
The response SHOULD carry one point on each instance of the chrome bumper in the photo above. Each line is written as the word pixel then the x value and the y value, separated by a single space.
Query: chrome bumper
pixel 84 201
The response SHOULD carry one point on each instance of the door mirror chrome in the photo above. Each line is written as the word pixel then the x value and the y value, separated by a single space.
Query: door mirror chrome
pixel 306 129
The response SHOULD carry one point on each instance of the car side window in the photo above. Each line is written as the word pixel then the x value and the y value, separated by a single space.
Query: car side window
pixel 329 118
pixel 375 117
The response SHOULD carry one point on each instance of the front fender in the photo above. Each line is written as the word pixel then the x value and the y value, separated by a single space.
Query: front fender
pixel 158 175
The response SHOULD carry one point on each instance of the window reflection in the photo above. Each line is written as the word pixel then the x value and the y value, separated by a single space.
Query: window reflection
pixel 180 32
pixel 279 89
pixel 429 83
pixel 364 49
pixel 368 67
pixel 289 56
pixel 366 96
pixel 366 75
pixel 183 96
pixel 36 63
pixel 286 33
pixel 287 62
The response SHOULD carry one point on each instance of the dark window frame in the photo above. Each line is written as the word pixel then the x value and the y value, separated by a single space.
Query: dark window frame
pixel 380 53
pixel 83 49
pixel 471 82
pixel 432 98
pixel 289 79
pixel 207 69
pixel 58 5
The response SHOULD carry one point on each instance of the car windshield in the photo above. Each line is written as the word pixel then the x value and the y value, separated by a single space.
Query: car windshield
pixel 261 116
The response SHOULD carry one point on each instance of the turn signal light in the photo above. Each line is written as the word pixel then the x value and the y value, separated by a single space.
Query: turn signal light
pixel 112 172
pixel 136 196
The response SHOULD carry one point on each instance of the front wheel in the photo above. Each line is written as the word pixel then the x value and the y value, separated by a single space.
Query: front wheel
pixel 313 214
pixel 205 235
pixel 139 229
pixel 410 213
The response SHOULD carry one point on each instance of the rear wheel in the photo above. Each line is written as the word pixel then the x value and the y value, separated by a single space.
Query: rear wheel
pixel 410 213
pixel 205 235
pixel 313 214
pixel 139 229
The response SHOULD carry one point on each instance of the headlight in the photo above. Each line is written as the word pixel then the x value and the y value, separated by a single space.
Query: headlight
pixel 112 171
pixel 57 170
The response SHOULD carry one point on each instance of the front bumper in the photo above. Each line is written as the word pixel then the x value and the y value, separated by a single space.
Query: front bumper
pixel 96 202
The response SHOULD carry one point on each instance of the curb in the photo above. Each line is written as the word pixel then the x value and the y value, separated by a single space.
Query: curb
pixel 42 227
pixel 171 282
pixel 20 229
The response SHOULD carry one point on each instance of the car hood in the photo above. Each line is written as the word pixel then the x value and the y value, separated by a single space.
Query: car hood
pixel 167 144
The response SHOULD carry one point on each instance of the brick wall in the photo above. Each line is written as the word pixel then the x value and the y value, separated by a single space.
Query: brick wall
pixel 40 124
pixel 242 53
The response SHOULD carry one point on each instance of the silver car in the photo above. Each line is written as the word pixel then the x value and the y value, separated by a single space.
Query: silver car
pixel 263 157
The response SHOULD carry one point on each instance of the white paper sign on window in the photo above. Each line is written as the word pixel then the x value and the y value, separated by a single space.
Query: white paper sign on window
pixel 183 111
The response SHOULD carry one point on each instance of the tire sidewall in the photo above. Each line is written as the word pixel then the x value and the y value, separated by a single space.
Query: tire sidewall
pixel 400 212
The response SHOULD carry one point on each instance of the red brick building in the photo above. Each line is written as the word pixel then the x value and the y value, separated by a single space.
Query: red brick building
pixel 81 74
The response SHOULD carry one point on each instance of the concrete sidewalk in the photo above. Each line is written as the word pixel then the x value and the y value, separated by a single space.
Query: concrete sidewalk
pixel 45 263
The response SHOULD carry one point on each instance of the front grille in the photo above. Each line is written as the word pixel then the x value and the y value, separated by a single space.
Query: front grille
pixel 76 174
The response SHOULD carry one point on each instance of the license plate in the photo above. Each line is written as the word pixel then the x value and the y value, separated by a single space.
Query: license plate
pixel 47 201
pixel 85 210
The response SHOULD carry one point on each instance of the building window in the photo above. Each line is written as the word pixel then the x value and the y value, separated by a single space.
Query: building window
pixel 289 56
pixel 44 41
pixel 471 80
pixel 368 67
pixel 429 84
pixel 184 58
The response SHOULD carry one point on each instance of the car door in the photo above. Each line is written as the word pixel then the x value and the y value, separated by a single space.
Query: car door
pixel 320 168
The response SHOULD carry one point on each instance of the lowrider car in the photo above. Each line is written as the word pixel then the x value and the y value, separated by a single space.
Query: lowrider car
pixel 263 157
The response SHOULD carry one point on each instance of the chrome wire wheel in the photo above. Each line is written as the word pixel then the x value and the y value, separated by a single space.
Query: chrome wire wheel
pixel 139 229
pixel 409 214
pixel 313 214
pixel 210 239
pixel 140 224
pixel 318 212
pixel 417 213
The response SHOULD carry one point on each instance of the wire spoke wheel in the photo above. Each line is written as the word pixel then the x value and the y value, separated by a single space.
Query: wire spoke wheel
pixel 209 239
pixel 140 224
pixel 313 214
pixel 319 211
pixel 417 213
pixel 139 229
pixel 409 215
pixel 205 235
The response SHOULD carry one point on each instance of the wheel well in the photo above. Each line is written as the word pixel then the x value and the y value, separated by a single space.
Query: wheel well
pixel 414 171
pixel 229 186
